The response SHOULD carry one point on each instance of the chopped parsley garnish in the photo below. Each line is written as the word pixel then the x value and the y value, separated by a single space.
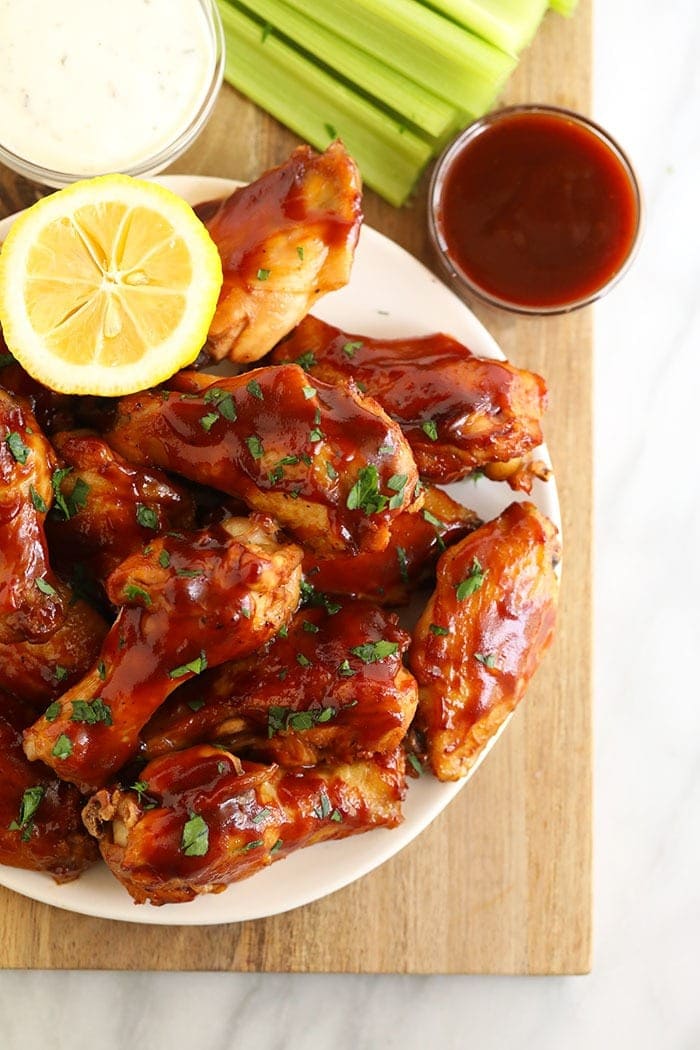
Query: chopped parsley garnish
pixel 324 807
pixel 436 629
pixel 38 501
pixel 69 505
pixel 101 670
pixel 345 670
pixel 255 446
pixel 6 359
pixel 416 763
pixel 386 450
pixel 350 347
pixel 146 516
pixel 253 388
pixel 331 471
pixel 397 483
pixel 196 704
pixel 373 652
pixel 44 586
pixel 303 661
pixel 27 808
pixel 337 816
pixel 487 659
pixel 315 434
pixel 402 559
pixel 475 475
pixel 310 596
pixel 17 447
pixel 222 402
pixel 300 251
pixel 195 837
pixel 251 845
pixel 164 559
pixel 222 768
pixel 432 520
pixel 277 845
pixel 309 391
pixel 140 787
pixel 471 583
pixel 60 672
pixel 309 627
pixel 62 748
pixel 262 815
pixel 364 494
pixel 189 574
pixel 262 274
pixel 91 711
pixel 133 593
pixel 195 666
pixel 430 428
pixel 283 631
pixel 53 710
pixel 208 421
pixel 306 360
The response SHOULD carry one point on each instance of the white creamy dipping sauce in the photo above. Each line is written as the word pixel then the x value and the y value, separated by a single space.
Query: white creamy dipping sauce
pixel 92 86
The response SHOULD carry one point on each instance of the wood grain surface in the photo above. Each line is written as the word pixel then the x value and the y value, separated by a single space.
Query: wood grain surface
pixel 501 882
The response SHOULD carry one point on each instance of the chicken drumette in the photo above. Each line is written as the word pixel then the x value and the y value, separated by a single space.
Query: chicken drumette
pixel 284 240
pixel 187 602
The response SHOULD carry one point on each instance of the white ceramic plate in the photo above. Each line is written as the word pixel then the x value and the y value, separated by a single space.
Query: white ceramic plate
pixel 390 294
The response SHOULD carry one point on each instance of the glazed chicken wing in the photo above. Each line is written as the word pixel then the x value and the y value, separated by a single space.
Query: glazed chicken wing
pixel 328 464
pixel 332 688
pixel 30 605
pixel 200 819
pixel 52 410
pixel 187 602
pixel 108 508
pixel 459 412
pixel 40 824
pixel 284 241
pixel 482 634
pixel 390 576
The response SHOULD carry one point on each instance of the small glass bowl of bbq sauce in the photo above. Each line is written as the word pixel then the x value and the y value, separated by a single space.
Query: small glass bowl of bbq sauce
pixel 534 209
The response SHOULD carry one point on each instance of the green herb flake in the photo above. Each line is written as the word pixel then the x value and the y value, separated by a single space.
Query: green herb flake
pixel 416 764
pixel 262 815
pixel 251 845
pixel 373 652
pixel 28 806
pixel 140 787
pixel 146 516
pixel 315 434
pixel 300 251
pixel 195 666
pixel 195 837
pixel 53 710
pixel 262 275
pixel 471 583
pixel 38 501
pixel 132 593
pixel 345 670
pixel 437 630
pixel 44 586
pixel 60 672
pixel 402 559
pixel 432 520
pixel 222 768
pixel 430 429
pixel 350 347
pixel 195 704
pixel 306 360
pixel 222 402
pixel 253 388
pixel 332 131
pixel 164 559
pixel 91 711
pixel 487 659
pixel 283 631
pixel 17 447
pixel 309 627
pixel 277 846
pixel 364 494
pixel 189 574
pixel 303 661
pixel 101 670
pixel 386 450
pixel 331 471
pixel 337 816
pixel 62 748
pixel 323 809
pixel 255 446
pixel 475 475
pixel 309 391
pixel 207 422
pixel 6 359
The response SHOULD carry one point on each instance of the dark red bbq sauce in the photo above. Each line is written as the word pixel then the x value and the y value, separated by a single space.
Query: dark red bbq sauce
pixel 538 211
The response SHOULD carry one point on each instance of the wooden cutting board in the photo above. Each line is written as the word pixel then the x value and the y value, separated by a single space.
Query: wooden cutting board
pixel 501 882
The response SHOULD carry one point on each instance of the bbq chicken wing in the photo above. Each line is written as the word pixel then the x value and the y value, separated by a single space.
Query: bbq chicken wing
pixel 53 411
pixel 482 634
pixel 284 240
pixel 328 464
pixel 332 688
pixel 31 608
pixel 200 819
pixel 459 412
pixel 187 602
pixel 107 508
pixel 40 823
pixel 391 576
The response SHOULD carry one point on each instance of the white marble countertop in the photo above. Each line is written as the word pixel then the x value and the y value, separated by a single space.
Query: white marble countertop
pixel 643 991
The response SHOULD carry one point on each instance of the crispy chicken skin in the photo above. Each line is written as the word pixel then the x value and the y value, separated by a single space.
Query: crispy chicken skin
pixel 40 825
pixel 39 672
pixel 391 576
pixel 30 606
pixel 328 464
pixel 334 688
pixel 187 602
pixel 113 507
pixel 202 819
pixel 284 240
pixel 459 412
pixel 483 633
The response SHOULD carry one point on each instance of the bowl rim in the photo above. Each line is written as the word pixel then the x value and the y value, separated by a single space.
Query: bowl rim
pixel 465 285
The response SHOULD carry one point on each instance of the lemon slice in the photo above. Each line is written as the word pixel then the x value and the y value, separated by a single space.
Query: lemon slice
pixel 108 286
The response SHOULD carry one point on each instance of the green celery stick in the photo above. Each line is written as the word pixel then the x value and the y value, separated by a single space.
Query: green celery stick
pixel 318 107
pixel 391 88
pixel 508 24
pixel 563 7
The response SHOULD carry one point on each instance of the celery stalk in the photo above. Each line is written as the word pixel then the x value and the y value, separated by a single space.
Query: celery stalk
pixel 563 7
pixel 508 24
pixel 393 90
pixel 318 107
pixel 438 54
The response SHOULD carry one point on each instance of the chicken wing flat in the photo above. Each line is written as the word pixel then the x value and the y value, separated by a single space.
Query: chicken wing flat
pixel 328 464
pixel 107 508
pixel 391 576
pixel 482 634
pixel 39 672
pixel 187 602
pixel 332 688
pixel 284 240
pixel 40 816
pixel 30 605
pixel 200 819
pixel 459 412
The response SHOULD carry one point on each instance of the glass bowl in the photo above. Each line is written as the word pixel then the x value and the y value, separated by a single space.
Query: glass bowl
pixel 165 155
pixel 465 283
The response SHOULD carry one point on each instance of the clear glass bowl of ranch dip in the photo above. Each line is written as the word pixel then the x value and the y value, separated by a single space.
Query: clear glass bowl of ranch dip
pixel 89 87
